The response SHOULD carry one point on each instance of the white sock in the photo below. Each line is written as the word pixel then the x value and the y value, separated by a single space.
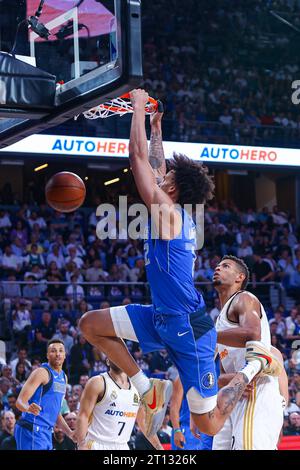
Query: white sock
pixel 141 382
pixel 251 369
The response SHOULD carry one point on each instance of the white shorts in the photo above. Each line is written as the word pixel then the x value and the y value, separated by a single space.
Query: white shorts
pixel 255 423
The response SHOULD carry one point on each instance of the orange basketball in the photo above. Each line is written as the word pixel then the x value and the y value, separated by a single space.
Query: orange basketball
pixel 65 192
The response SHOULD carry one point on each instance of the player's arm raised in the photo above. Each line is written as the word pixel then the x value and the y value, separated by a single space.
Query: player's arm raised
pixel 156 150
pixel 166 218
pixel 246 312
pixel 93 389
pixel 38 377
pixel 175 405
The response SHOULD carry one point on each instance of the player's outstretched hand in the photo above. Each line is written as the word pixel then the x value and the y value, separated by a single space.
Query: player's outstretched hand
pixel 34 409
pixel 155 118
pixel 139 98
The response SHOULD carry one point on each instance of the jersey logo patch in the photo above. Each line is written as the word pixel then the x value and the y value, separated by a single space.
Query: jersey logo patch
pixel 113 404
pixel 223 354
pixel 182 334
pixel 113 395
pixel 136 399
pixel 208 380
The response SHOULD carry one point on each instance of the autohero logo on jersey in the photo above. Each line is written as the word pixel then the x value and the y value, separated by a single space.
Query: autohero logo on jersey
pixel 124 414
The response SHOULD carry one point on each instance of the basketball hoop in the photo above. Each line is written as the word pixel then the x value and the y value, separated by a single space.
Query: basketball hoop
pixel 118 106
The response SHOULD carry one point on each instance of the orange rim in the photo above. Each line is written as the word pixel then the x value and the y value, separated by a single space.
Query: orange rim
pixel 115 108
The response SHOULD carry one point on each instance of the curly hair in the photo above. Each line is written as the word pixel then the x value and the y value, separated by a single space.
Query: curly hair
pixel 194 183
pixel 242 266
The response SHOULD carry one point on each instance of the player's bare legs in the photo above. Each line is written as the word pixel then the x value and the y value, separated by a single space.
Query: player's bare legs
pixel 211 423
pixel 98 329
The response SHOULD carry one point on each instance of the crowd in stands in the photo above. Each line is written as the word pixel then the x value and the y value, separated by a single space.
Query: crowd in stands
pixel 58 269
pixel 227 76
pixel 223 71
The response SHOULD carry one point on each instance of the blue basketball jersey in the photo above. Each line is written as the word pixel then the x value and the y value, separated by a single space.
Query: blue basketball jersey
pixel 170 270
pixel 49 397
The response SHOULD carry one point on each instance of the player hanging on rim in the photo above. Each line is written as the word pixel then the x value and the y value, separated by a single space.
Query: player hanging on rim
pixel 40 400
pixel 178 316
pixel 109 408
pixel 257 419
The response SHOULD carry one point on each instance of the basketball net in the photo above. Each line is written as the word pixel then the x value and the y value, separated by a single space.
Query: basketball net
pixel 118 106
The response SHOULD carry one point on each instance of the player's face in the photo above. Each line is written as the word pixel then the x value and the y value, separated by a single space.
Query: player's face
pixel 168 183
pixel 56 355
pixel 226 274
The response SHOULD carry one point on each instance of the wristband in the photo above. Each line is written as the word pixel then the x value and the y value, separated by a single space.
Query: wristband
pixel 177 430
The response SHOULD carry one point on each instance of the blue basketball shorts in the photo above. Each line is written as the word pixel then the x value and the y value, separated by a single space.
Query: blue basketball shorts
pixel 32 437
pixel 190 340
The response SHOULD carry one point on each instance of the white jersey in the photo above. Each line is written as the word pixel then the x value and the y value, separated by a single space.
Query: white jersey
pixel 114 416
pixel 256 422
pixel 233 359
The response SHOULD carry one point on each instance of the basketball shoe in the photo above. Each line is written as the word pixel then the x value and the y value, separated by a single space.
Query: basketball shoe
pixel 270 365
pixel 155 403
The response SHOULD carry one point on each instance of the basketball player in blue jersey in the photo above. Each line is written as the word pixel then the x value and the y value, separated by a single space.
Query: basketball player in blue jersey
pixel 182 437
pixel 177 318
pixel 40 401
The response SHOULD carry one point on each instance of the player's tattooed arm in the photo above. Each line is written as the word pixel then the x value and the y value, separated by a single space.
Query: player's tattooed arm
pixel 230 395
pixel 156 150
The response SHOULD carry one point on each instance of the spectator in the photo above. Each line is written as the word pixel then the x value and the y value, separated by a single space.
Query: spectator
pixel 99 362
pixel 42 334
pixel 55 292
pixel 83 380
pixel 261 272
pixel 74 292
pixel 73 403
pixel 60 441
pixel 56 256
pixel 64 336
pixel 21 323
pixel 5 385
pixel 80 359
pixel 22 356
pixel 280 321
pixel 11 291
pixel 12 400
pixel 165 426
pixel 5 221
pixel 8 421
pixel 21 374
pixel 33 290
pixel 34 258
pixel 10 262
pixel 160 363
pixel 96 273
pixel 20 232
pixel 294 425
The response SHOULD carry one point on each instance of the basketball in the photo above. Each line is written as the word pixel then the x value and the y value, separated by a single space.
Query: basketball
pixel 65 192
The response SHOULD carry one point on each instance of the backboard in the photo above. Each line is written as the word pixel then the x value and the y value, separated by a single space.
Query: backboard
pixel 93 48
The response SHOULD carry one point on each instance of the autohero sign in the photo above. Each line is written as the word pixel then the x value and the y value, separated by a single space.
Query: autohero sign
pixel 119 148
